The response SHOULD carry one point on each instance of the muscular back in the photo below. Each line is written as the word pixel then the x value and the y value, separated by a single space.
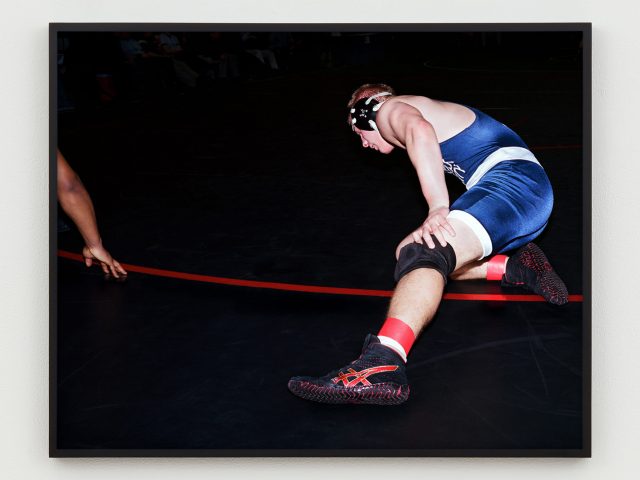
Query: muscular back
pixel 446 118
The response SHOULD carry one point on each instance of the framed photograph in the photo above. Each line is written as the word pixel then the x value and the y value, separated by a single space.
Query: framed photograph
pixel 320 240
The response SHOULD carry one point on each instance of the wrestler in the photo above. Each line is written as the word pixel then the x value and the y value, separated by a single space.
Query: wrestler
pixel 507 204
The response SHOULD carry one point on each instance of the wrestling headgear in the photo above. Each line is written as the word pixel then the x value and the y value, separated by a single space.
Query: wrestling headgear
pixel 363 113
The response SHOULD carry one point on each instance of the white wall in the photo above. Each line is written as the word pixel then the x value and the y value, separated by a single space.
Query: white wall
pixel 24 244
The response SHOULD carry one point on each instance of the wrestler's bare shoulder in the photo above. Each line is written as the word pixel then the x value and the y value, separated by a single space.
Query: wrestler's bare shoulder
pixel 435 109
pixel 447 118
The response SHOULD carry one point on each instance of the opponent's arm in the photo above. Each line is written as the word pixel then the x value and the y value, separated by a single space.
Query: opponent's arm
pixel 76 202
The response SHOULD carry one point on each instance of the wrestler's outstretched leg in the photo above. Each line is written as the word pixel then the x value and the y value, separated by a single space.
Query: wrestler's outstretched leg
pixel 378 375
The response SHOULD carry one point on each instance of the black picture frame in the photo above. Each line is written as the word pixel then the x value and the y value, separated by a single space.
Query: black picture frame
pixel 484 32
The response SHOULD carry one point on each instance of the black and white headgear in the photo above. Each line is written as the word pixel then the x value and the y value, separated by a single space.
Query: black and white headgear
pixel 364 111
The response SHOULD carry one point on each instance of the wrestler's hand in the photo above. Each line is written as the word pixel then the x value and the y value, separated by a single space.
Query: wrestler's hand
pixel 436 224
pixel 109 265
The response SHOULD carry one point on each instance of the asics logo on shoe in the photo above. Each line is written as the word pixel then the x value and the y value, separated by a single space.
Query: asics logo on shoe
pixel 361 376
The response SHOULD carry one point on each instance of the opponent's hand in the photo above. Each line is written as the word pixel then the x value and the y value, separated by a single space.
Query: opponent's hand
pixel 109 265
pixel 436 224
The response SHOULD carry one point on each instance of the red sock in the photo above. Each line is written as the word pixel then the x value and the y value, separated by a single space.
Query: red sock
pixel 397 335
pixel 496 267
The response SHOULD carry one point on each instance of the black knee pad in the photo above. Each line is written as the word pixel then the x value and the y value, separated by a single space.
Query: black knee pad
pixel 418 255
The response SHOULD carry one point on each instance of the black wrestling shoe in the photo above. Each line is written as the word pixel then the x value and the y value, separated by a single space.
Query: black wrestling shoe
pixel 530 269
pixel 377 378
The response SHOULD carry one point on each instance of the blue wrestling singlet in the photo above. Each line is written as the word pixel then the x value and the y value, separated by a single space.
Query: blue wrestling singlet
pixel 465 152
pixel 509 197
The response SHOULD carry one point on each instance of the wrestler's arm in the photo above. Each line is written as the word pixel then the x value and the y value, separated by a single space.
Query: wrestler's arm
pixel 419 138
pixel 76 202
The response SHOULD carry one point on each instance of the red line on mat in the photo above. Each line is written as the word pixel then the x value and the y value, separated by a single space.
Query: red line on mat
pixel 158 272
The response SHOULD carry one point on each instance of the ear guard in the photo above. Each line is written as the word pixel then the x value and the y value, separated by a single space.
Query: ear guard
pixel 363 113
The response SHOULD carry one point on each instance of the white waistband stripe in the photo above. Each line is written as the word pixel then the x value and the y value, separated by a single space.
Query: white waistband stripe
pixel 500 155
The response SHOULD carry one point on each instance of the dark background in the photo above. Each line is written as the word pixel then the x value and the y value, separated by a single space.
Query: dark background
pixel 254 174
